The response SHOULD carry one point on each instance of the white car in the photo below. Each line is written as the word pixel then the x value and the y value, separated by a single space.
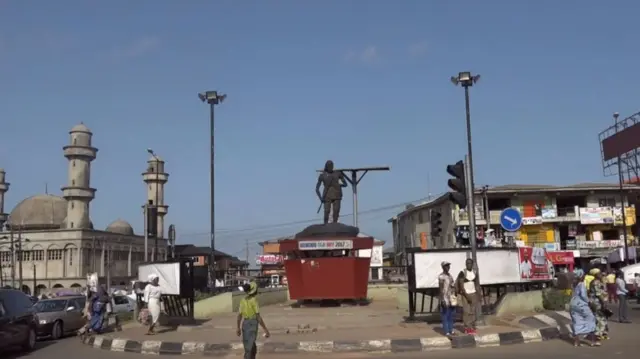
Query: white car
pixel 122 304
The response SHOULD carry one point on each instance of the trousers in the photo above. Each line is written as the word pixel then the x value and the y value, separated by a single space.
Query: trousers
pixel 446 313
pixel 249 337
pixel 333 207
pixel 469 311
pixel 623 308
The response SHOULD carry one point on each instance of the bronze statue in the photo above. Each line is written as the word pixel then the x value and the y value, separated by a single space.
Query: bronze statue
pixel 332 182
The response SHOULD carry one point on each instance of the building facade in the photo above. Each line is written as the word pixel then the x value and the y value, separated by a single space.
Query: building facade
pixel 49 241
pixel 585 217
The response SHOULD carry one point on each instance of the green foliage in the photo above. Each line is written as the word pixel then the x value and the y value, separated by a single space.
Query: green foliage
pixel 555 299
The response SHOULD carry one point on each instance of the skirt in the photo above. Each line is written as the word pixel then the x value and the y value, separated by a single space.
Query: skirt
pixel 154 310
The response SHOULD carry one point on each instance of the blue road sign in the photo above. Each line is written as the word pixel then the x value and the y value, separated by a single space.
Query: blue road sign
pixel 511 219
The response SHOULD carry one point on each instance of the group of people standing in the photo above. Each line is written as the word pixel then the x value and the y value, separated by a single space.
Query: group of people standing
pixel 463 291
pixel 589 306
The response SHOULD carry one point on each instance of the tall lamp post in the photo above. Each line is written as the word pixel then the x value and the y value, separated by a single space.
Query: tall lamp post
pixel 212 98
pixel 467 80
pixel 156 202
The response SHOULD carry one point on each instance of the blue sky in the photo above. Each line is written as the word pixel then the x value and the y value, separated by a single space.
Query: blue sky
pixel 364 83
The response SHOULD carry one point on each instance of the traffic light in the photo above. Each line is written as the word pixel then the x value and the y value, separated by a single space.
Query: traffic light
pixel 457 184
pixel 436 223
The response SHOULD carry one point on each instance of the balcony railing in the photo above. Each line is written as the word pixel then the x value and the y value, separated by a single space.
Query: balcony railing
pixel 547 215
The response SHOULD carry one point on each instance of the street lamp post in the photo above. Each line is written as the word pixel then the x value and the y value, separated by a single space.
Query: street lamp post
pixel 212 98
pixel 156 201
pixel 467 80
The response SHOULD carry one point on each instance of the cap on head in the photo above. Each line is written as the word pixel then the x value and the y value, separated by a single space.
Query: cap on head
pixel 445 264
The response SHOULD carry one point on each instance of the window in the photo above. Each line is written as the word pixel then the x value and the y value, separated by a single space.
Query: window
pixel 37 255
pixel 72 205
pixel 73 163
pixel 54 254
pixel 120 299
pixel 607 202
pixel 24 256
pixel 70 252
pixel 75 303
pixel 5 256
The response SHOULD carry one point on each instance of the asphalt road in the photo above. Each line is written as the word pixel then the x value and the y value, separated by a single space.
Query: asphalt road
pixel 624 342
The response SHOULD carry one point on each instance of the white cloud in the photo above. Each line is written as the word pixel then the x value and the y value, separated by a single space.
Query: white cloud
pixel 418 49
pixel 137 48
pixel 368 55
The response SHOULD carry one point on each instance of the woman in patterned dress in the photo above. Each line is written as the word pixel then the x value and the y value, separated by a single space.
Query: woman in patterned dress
pixel 597 302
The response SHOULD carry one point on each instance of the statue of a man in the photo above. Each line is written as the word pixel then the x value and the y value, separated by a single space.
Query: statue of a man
pixel 332 181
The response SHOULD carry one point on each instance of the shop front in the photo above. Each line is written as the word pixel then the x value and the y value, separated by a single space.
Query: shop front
pixel 562 260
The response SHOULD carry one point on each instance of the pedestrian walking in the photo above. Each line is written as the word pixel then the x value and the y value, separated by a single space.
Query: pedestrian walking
pixel 448 300
pixel 622 293
pixel 598 301
pixel 610 281
pixel 152 295
pixel 248 320
pixel 583 322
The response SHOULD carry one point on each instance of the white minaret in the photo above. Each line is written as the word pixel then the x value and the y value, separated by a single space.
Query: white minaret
pixel 155 177
pixel 4 188
pixel 78 192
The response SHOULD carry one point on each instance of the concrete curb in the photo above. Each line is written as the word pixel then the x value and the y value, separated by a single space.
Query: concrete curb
pixel 155 347
pixel 560 319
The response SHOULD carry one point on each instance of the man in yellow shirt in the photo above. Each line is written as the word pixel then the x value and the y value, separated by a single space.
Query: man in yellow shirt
pixel 611 287
pixel 248 320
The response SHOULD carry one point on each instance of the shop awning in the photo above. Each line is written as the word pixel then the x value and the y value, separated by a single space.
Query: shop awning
pixel 596 252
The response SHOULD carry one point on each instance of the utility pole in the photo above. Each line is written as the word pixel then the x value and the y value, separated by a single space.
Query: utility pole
pixel 108 265
pixel 20 257
pixel 246 249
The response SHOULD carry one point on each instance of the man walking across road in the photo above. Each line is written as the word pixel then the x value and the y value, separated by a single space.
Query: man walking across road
pixel 622 293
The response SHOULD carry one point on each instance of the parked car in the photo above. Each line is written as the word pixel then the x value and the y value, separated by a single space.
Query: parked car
pixel 18 321
pixel 122 304
pixel 58 316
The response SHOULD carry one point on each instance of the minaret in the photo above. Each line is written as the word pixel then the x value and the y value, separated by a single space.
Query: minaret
pixel 155 177
pixel 78 192
pixel 4 188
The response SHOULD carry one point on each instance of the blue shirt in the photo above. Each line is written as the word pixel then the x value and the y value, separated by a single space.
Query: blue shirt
pixel 621 287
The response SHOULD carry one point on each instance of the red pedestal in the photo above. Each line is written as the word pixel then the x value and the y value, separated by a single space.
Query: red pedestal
pixel 326 268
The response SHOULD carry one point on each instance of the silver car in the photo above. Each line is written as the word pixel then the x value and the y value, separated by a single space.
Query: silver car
pixel 58 316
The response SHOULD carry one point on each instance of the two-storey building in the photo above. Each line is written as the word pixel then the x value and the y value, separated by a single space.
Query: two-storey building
pixel 586 218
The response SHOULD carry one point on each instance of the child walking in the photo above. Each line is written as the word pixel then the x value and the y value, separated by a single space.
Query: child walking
pixel 248 320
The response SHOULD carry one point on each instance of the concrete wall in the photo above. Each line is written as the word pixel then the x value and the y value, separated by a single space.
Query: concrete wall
pixel 230 302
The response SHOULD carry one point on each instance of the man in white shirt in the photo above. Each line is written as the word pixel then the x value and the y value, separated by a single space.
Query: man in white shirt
pixel 525 267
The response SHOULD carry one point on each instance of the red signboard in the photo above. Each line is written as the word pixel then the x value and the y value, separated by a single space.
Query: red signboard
pixel 561 258
pixel 269 259
pixel 534 264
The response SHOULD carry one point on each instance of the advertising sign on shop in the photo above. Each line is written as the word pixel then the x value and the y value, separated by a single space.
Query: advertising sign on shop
pixel 561 257
pixel 534 264
pixel 549 213
pixel 599 244
pixel 269 259
pixel 630 213
pixel 531 221
pixel 325 245
pixel 597 215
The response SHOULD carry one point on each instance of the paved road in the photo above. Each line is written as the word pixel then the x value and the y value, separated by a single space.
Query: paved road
pixel 624 342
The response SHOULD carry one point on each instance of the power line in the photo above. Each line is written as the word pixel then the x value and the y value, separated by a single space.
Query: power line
pixel 301 222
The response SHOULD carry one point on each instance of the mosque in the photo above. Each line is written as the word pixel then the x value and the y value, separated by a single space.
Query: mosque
pixel 55 243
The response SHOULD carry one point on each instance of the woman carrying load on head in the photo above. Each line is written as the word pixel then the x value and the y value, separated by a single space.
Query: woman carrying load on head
pixel 583 321
pixel 152 294
pixel 597 293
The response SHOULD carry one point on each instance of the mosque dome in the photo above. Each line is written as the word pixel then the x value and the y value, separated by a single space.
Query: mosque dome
pixel 40 212
pixel 120 226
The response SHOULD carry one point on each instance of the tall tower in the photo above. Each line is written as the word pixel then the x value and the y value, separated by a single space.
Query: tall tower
pixel 4 188
pixel 78 192
pixel 155 177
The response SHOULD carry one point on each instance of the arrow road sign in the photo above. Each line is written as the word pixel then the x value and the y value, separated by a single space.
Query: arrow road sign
pixel 511 219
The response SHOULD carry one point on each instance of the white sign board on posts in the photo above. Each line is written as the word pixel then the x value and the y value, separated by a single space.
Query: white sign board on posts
pixel 323 245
